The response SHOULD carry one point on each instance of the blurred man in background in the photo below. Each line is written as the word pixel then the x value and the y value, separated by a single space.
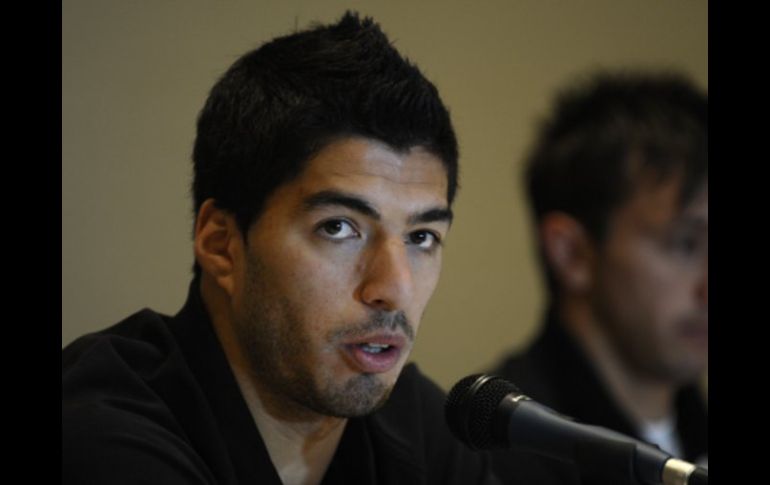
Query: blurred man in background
pixel 618 187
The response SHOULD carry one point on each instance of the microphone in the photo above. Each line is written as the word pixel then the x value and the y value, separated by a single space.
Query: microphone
pixel 488 412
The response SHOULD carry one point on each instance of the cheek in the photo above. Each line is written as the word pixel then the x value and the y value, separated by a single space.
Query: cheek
pixel 667 287
pixel 315 282
pixel 643 273
pixel 425 275
pixel 428 281
pixel 647 297
pixel 624 294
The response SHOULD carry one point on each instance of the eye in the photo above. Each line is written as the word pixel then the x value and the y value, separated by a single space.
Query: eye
pixel 337 229
pixel 426 240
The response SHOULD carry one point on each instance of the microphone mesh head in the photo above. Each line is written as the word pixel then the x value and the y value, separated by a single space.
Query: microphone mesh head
pixel 470 408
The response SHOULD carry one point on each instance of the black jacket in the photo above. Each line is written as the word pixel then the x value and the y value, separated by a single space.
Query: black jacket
pixel 153 400
pixel 554 371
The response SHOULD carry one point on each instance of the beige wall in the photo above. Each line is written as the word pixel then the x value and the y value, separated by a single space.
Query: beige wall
pixel 136 73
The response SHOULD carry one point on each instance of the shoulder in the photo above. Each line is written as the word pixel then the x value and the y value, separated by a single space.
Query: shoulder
pixel 129 440
pixel 116 427
pixel 142 334
pixel 116 362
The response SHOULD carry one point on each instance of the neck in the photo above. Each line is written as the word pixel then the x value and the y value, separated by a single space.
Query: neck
pixel 300 442
pixel 643 397
pixel 301 445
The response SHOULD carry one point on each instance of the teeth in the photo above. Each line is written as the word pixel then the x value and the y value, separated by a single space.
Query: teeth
pixel 374 348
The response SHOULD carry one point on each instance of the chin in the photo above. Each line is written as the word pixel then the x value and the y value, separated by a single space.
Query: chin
pixel 358 396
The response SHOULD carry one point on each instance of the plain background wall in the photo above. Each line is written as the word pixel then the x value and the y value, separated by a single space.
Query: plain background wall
pixel 135 74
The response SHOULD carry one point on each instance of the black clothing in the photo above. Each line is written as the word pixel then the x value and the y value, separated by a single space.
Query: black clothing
pixel 555 371
pixel 153 400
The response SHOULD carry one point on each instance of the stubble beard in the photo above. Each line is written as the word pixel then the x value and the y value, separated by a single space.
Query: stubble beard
pixel 641 352
pixel 281 357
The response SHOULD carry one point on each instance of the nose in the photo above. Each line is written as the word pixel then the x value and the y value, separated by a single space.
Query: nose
pixel 387 277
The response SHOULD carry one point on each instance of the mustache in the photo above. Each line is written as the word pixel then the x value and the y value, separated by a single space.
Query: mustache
pixel 379 320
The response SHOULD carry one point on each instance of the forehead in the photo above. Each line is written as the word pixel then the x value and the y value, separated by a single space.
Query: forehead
pixel 368 166
pixel 658 203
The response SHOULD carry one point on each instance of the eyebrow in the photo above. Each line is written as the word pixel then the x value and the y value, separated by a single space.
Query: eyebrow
pixel 327 198
pixel 432 215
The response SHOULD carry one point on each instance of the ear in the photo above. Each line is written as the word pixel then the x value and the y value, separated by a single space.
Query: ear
pixel 218 245
pixel 569 251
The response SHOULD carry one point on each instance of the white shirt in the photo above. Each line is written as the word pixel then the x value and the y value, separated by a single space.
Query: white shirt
pixel 663 433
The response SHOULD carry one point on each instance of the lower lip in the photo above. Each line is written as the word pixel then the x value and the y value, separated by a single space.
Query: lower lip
pixel 369 363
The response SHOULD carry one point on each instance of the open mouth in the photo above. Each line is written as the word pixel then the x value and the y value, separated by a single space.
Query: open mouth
pixel 376 355
pixel 372 348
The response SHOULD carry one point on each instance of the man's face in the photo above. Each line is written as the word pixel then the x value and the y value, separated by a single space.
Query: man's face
pixel 652 282
pixel 338 271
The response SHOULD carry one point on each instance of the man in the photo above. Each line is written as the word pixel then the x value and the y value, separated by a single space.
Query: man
pixel 618 183
pixel 325 166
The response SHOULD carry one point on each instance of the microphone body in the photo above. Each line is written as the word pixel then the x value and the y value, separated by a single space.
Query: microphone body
pixel 489 412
